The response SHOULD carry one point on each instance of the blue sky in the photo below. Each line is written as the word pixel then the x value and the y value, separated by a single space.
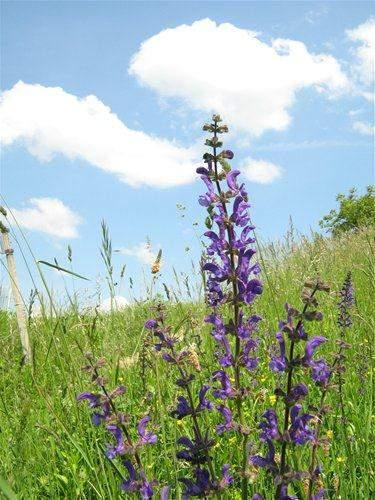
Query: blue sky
pixel 301 121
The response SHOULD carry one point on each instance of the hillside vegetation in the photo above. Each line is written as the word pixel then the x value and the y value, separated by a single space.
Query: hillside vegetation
pixel 49 449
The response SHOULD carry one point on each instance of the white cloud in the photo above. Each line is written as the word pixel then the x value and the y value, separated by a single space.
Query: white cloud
pixel 260 171
pixel 117 303
pixel 364 128
pixel 50 216
pixel 142 252
pixel 222 68
pixel 364 34
pixel 49 121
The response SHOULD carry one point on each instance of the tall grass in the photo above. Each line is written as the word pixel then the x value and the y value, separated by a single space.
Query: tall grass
pixel 48 447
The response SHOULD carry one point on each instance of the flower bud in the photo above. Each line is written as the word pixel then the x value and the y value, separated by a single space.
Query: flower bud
pixel 227 153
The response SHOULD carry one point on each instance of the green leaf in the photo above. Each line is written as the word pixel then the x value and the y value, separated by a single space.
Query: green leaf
pixel 62 269
pixel 7 490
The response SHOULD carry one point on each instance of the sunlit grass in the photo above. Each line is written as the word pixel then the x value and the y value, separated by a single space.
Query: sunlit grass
pixel 50 450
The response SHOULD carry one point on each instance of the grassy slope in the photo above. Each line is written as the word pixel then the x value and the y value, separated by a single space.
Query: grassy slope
pixel 50 450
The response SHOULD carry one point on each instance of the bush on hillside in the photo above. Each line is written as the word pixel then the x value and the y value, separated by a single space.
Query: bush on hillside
pixel 354 212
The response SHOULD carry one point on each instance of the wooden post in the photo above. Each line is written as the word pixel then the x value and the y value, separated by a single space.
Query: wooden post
pixel 17 298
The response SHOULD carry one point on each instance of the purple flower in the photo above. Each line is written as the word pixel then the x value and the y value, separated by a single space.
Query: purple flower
pixel 204 403
pixel 231 180
pixel 195 451
pixel 151 324
pixel 218 242
pixel 210 196
pixel 322 493
pixel 228 422
pixel 270 426
pixel 227 479
pixel 226 390
pixel 320 371
pixel 97 418
pixel 227 153
pixel 284 493
pixel 246 329
pixel 250 362
pixel 299 431
pixel 226 359
pixel 296 393
pixel 135 483
pixel 146 491
pixel 131 484
pixel 268 461
pixel 240 216
pixel 201 487
pixel 120 448
pixel 311 345
pixel 279 363
pixel 145 437
pixel 94 400
pixel 183 408
pixel 168 358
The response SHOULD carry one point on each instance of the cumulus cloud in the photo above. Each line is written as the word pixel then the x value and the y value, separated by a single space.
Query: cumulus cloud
pixel 50 216
pixel 142 252
pixel 219 67
pixel 117 303
pixel 49 121
pixel 261 171
pixel 364 35
pixel 364 128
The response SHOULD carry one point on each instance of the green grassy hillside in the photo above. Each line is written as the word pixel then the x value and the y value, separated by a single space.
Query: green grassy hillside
pixel 49 448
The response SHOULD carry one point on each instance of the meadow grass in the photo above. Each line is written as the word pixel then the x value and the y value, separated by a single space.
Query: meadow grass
pixel 49 449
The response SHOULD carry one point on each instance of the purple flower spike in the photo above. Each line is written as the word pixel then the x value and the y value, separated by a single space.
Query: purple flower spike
pixel 144 436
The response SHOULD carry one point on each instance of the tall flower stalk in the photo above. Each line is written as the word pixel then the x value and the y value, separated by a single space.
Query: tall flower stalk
pixel 294 428
pixel 125 448
pixel 337 368
pixel 232 279
pixel 196 449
